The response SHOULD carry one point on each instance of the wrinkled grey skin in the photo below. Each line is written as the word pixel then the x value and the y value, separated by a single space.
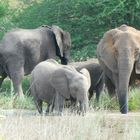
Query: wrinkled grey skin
pixel 53 83
pixel 119 55
pixel 22 49
pixel 96 75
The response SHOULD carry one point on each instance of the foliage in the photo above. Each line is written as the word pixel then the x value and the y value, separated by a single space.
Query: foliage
pixel 86 20
pixel 3 8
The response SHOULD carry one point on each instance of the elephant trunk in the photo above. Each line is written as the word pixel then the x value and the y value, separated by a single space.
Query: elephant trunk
pixel 64 61
pixel 125 69
pixel 65 58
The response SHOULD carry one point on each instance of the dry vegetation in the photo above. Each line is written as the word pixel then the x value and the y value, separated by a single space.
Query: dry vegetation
pixel 101 122
pixel 94 126
pixel 106 123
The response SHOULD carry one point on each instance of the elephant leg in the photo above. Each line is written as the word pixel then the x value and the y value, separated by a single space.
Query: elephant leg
pixel 98 93
pixel 16 76
pixel 110 87
pixel 73 103
pixel 59 103
pixel 82 108
pixel 99 89
pixel 56 103
pixel 90 94
pixel 38 104
pixel 49 108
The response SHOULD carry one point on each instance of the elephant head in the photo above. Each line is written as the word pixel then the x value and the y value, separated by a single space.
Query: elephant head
pixel 119 54
pixel 63 40
pixel 70 83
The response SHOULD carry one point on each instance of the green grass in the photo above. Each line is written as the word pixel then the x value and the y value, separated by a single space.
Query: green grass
pixel 7 100
pixel 6 86
pixel 106 103
pixel 134 100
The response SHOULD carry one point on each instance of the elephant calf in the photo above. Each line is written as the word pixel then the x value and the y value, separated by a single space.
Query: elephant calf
pixel 96 75
pixel 53 83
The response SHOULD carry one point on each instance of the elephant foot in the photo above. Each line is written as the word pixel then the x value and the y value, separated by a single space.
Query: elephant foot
pixel 124 111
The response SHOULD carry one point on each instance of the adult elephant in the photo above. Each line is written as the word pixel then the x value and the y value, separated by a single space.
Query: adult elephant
pixel 22 49
pixel 119 55
pixel 53 83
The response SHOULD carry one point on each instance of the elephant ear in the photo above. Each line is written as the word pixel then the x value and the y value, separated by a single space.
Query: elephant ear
pixel 106 51
pixel 60 82
pixel 59 38
pixel 87 75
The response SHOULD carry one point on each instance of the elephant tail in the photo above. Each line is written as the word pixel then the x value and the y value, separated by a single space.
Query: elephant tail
pixel 101 78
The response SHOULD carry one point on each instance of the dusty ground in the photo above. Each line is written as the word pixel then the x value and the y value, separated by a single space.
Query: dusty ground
pixel 102 125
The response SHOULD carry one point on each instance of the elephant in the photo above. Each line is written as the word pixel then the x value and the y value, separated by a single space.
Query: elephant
pixel 96 75
pixel 119 55
pixel 22 49
pixel 54 83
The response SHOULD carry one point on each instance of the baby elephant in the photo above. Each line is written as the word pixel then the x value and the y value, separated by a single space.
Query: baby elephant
pixel 53 83
pixel 96 75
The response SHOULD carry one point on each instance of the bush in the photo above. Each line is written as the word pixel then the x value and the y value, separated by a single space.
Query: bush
pixel 86 20
pixel 3 8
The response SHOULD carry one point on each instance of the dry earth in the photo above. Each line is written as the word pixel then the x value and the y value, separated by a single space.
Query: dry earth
pixel 101 125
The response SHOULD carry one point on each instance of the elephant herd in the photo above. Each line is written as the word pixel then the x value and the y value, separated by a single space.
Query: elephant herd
pixel 25 51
